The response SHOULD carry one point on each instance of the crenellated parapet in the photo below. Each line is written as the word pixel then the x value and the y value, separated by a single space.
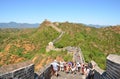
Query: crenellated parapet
pixel 24 70
pixel 112 68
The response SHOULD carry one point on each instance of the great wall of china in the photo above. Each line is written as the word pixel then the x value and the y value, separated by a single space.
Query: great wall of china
pixel 25 70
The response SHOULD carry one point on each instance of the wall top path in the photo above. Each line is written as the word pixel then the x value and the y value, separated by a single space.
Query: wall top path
pixel 114 58
pixel 13 67
pixel 96 67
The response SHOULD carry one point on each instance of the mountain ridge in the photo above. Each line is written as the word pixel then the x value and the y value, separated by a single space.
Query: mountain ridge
pixel 18 25
pixel 13 24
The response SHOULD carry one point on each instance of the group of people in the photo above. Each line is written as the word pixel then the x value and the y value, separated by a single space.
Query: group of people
pixel 88 70
pixel 73 67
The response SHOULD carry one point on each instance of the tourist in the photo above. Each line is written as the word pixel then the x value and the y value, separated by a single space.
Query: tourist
pixel 83 69
pixel 87 70
pixel 62 66
pixel 69 65
pixel 90 65
pixel 55 66
pixel 65 66
pixel 78 66
pixel 91 71
pixel 73 68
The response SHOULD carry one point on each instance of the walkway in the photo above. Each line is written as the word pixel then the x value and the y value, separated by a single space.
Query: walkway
pixel 58 37
pixel 77 55
pixel 57 29
pixel 63 75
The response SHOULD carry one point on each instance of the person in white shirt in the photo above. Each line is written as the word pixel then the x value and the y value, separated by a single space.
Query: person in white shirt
pixel 55 66
pixel 78 66
pixel 62 66
pixel 87 72
pixel 73 68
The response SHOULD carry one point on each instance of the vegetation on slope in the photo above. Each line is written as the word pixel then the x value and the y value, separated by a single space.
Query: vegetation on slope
pixel 18 45
pixel 95 43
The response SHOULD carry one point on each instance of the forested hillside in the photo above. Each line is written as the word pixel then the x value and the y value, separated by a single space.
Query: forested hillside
pixel 17 45
pixel 95 43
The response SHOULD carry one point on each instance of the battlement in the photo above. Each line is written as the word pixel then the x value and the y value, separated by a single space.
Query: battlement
pixel 24 70
pixel 112 68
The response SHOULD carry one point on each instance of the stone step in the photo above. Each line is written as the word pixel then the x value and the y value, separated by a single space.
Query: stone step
pixel 63 75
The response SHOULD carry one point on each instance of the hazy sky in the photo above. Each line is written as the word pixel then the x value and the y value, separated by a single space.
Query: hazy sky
pixel 101 12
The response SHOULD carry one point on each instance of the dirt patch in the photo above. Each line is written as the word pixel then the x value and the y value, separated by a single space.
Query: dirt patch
pixel 88 29
pixel 33 60
pixel 40 64
pixel 49 60
pixel 28 47
pixel 6 58
pixel 7 47
pixel 116 29
pixel 58 58
pixel 16 59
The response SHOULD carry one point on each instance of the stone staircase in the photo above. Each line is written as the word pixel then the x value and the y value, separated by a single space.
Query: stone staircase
pixel 50 45
pixel 78 56
pixel 56 28
pixel 63 75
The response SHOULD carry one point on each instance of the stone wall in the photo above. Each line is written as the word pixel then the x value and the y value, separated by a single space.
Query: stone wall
pixel 46 73
pixel 77 53
pixel 112 68
pixel 97 75
pixel 24 70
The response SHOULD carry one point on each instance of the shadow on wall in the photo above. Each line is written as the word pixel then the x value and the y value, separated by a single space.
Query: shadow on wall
pixel 46 74
pixel 36 76
pixel 23 70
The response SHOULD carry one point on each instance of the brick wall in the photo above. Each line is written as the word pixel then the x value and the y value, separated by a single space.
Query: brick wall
pixel 46 73
pixel 112 68
pixel 23 70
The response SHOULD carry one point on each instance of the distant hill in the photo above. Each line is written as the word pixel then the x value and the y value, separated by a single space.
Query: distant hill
pixel 18 25
pixel 97 26
pixel 18 45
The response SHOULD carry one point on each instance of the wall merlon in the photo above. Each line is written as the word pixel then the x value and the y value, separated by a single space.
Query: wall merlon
pixel 112 68
pixel 114 58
